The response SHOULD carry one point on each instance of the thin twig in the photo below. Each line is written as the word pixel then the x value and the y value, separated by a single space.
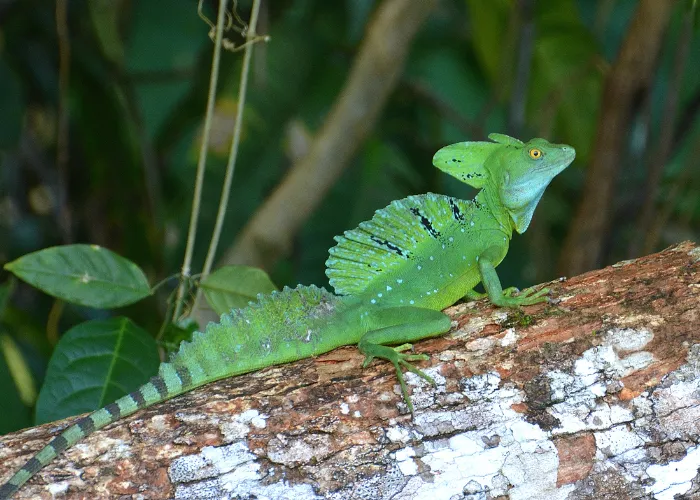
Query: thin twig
pixel 211 99
pixel 233 153
pixel 375 72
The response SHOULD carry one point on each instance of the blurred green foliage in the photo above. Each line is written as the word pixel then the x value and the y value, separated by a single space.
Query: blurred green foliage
pixel 136 97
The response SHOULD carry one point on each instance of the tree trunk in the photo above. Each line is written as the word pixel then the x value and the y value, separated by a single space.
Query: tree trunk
pixel 595 396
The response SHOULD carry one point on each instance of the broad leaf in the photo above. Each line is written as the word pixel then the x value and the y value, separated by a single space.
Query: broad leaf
pixel 174 334
pixel 232 287
pixel 87 275
pixel 95 363
pixel 15 414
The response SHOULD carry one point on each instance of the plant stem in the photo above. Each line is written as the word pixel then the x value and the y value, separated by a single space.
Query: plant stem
pixel 233 153
pixel 201 163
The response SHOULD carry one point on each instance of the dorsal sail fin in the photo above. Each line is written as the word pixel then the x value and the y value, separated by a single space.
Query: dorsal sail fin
pixel 389 239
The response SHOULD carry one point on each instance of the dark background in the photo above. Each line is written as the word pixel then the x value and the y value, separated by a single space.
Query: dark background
pixel 101 114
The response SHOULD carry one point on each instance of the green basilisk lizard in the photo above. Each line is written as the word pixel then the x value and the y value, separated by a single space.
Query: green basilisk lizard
pixel 393 275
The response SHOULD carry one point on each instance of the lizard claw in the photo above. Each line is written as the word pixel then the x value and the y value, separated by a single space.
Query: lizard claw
pixel 398 359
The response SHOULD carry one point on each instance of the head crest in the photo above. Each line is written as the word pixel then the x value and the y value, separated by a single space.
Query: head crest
pixel 466 160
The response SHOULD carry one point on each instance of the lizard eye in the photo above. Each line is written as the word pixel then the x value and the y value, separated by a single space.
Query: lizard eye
pixel 536 154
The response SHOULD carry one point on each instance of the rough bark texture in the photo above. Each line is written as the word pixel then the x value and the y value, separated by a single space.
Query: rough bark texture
pixel 631 74
pixel 595 396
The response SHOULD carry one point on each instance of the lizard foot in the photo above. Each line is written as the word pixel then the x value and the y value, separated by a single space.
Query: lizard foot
pixel 398 359
pixel 529 296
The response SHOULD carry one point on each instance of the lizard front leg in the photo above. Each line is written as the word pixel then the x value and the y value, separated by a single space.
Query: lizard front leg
pixel 505 298
pixel 403 324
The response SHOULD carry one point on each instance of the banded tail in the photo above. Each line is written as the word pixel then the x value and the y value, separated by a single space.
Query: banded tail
pixel 276 329
pixel 168 383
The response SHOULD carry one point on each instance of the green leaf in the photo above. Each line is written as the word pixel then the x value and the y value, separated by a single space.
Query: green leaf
pixel 175 334
pixel 15 414
pixel 19 369
pixel 87 275
pixel 105 19
pixel 232 287
pixel 95 363
pixel 489 24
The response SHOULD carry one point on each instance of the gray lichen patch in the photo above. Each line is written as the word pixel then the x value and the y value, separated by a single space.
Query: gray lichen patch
pixel 505 455
pixel 491 450
pixel 484 443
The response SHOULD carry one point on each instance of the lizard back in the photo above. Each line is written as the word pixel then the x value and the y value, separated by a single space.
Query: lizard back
pixel 418 251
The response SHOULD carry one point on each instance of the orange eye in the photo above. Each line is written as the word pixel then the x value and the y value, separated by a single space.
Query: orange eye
pixel 535 154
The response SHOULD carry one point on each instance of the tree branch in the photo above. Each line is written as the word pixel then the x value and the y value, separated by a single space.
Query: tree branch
pixel 375 72
pixel 595 397
pixel 630 74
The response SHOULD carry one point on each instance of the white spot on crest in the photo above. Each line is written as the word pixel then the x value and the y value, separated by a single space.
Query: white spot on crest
pixel 96 247
pixel 432 258
pixel 373 301
pixel 379 294
pixel 399 281
pixel 85 278
pixel 388 288
pixel 412 302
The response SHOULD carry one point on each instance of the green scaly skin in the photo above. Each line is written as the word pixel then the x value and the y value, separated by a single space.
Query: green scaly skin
pixel 393 275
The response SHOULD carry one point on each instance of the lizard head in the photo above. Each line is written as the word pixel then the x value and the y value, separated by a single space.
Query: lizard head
pixel 521 173
pixel 516 172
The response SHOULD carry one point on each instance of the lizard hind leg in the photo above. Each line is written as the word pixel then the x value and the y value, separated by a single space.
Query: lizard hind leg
pixel 415 323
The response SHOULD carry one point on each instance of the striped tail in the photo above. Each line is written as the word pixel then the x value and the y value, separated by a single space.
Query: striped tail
pixel 170 381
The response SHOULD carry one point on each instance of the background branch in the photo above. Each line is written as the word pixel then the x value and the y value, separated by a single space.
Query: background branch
pixel 595 397
pixel 268 234
pixel 631 73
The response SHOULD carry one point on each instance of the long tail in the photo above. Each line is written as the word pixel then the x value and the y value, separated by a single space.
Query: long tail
pixel 274 330
pixel 170 382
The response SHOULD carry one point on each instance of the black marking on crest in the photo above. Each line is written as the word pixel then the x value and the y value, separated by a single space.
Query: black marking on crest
pixel 389 245
pixel 160 386
pixel 87 426
pixel 138 398
pixel 456 212
pixel 59 443
pixel 185 376
pixel 425 222
pixel 113 410
pixel 477 205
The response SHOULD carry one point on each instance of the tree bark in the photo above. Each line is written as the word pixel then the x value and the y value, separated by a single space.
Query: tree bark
pixel 596 395
pixel 630 75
